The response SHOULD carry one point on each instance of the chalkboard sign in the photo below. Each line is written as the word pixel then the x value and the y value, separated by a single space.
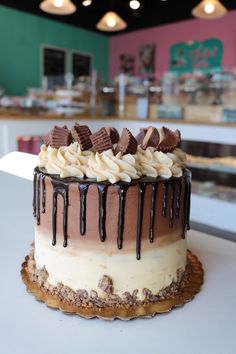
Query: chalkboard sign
pixel 54 63
pixel 186 57
pixel 81 65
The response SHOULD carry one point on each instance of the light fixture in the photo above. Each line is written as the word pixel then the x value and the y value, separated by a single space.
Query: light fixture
pixel 134 4
pixel 86 2
pixel 209 9
pixel 58 7
pixel 111 22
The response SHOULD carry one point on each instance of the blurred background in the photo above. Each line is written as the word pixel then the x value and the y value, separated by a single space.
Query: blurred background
pixel 128 63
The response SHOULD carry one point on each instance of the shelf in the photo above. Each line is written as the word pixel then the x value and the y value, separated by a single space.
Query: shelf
pixel 219 168
pixel 13 115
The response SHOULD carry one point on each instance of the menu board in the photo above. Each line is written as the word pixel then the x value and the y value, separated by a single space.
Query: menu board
pixel 81 64
pixel 54 66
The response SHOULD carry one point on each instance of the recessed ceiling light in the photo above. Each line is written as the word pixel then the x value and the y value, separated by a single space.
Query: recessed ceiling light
pixel 134 4
pixel 86 2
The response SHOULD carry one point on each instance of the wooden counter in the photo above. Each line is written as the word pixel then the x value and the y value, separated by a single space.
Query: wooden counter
pixel 30 115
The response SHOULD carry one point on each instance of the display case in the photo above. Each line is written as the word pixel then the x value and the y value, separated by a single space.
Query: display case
pixel 213 167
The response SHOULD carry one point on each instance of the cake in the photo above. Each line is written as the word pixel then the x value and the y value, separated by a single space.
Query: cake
pixel 111 219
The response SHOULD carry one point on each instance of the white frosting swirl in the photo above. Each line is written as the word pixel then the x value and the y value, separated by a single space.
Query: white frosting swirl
pixel 156 163
pixel 114 168
pixel 67 161
pixel 70 161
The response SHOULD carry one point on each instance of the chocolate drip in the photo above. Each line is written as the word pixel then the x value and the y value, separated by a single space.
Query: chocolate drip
pixel 152 212
pixel 122 189
pixel 178 199
pixel 188 182
pixel 54 219
pixel 34 195
pixel 83 188
pixel 172 200
pixel 141 190
pixel 62 189
pixel 38 198
pixel 102 190
pixel 164 198
pixel 180 190
pixel 43 194
pixel 186 224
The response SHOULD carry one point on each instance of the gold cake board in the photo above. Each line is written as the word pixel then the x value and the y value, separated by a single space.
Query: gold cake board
pixel 186 294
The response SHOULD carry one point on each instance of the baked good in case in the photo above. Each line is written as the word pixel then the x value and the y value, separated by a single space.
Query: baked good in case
pixel 111 220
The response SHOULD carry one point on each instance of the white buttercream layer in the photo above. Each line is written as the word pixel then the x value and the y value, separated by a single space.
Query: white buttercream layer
pixel 70 161
pixel 83 269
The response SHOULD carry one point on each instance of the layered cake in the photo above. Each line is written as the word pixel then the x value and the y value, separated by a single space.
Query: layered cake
pixel 111 218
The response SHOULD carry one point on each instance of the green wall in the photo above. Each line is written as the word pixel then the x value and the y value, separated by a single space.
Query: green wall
pixel 21 36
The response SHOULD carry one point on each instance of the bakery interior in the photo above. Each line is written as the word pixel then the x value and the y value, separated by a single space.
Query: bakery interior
pixel 128 64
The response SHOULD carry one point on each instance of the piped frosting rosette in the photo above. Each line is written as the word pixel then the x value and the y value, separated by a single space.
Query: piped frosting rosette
pixel 67 161
pixel 105 161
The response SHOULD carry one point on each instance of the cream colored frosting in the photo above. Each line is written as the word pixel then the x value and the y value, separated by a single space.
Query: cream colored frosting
pixel 70 161
pixel 80 269
pixel 67 161
pixel 156 163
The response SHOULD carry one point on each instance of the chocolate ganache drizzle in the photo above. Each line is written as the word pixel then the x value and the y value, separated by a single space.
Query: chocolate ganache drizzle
pixel 172 191
pixel 152 211
pixel 122 190
pixel 60 188
pixel 83 189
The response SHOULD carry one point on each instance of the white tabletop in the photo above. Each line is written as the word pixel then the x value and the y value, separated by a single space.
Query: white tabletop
pixel 205 325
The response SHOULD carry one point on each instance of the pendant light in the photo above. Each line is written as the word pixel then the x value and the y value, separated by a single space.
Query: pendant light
pixel 111 22
pixel 209 9
pixel 58 7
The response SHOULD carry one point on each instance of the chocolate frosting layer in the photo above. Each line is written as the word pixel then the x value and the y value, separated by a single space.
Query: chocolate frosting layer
pixel 145 209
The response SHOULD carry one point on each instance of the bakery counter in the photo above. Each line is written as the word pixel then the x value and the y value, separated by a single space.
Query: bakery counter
pixel 204 325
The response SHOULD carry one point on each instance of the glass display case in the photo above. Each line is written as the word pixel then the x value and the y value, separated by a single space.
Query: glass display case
pixel 213 169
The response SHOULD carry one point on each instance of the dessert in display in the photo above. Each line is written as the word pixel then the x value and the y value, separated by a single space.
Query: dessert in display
pixel 111 213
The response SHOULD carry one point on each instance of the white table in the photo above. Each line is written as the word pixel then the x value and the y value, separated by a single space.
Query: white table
pixel 207 325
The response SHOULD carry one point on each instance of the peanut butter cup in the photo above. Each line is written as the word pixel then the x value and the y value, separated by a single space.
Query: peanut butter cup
pixel 127 143
pixel 58 137
pixel 101 141
pixel 151 138
pixel 113 134
pixel 81 134
pixel 169 139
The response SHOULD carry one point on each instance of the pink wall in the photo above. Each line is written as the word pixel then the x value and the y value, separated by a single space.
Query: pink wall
pixel 165 36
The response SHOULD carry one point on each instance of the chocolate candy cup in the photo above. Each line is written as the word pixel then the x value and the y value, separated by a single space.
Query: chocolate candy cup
pixel 127 143
pixel 81 134
pixel 101 141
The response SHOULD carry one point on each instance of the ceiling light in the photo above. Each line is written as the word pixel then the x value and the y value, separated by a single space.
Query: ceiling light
pixel 134 4
pixel 111 22
pixel 58 7
pixel 58 3
pixel 86 2
pixel 209 9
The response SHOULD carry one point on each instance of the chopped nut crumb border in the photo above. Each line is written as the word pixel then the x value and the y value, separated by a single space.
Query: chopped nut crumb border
pixel 113 306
